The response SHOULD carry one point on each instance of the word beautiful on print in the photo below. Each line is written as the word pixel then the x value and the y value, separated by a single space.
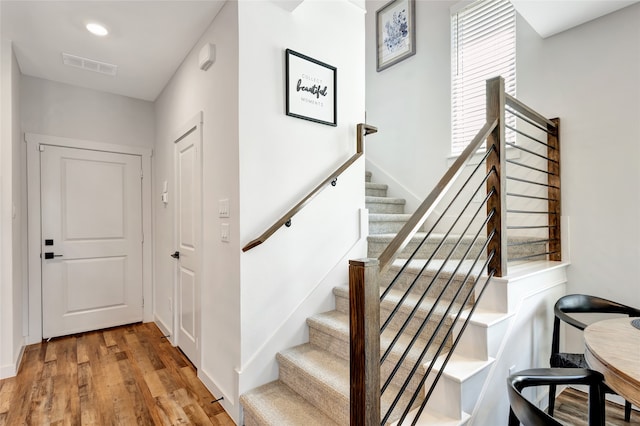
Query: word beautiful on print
pixel 315 89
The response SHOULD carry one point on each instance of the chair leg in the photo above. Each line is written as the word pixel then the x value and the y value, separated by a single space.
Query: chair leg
pixel 513 420
pixel 552 399
pixel 627 411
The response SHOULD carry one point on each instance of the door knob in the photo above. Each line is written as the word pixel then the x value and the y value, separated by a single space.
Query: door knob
pixel 176 255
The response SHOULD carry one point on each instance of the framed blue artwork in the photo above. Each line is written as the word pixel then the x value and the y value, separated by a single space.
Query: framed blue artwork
pixel 395 32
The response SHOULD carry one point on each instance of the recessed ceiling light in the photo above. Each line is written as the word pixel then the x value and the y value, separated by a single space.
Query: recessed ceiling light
pixel 97 29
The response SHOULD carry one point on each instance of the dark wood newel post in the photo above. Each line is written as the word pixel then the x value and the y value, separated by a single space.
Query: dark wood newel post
pixel 497 181
pixel 364 325
pixel 554 193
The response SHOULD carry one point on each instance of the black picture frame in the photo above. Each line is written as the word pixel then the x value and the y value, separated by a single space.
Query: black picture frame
pixel 311 89
pixel 395 33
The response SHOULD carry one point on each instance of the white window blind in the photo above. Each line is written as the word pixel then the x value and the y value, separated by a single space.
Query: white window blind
pixel 483 46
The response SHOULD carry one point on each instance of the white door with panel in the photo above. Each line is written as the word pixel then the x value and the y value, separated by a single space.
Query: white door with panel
pixel 91 204
pixel 188 172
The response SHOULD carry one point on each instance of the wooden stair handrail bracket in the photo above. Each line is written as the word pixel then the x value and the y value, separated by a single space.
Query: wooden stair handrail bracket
pixel 363 130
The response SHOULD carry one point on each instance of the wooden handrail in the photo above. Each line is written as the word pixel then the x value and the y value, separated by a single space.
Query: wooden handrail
pixel 429 204
pixel 529 112
pixel 363 130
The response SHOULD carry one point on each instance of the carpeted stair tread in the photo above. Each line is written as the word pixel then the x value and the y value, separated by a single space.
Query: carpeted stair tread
pixel 384 200
pixel 277 404
pixel 394 296
pixel 336 324
pixel 324 377
pixel 447 268
pixel 419 236
pixel 389 217
pixel 376 186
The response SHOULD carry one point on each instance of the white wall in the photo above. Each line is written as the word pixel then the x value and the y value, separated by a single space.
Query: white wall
pixel 58 109
pixel 588 76
pixel 12 250
pixel 281 159
pixel 410 103
pixel 215 93
pixel 263 162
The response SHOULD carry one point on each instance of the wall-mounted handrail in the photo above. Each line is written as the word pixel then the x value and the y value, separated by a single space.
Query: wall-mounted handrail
pixel 362 131
pixel 429 204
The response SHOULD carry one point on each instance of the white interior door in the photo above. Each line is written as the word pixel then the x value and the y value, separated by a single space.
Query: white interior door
pixel 91 206
pixel 188 228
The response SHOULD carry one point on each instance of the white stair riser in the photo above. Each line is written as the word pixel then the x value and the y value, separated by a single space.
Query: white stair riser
pixel 479 340
pixel 452 397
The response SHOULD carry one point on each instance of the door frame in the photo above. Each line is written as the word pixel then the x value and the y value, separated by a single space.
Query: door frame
pixel 194 125
pixel 34 220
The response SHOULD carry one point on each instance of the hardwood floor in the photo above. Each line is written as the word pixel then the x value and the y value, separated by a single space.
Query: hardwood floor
pixel 571 410
pixel 131 375
pixel 127 375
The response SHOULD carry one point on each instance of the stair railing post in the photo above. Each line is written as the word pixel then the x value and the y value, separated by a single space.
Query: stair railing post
pixel 554 193
pixel 497 181
pixel 364 325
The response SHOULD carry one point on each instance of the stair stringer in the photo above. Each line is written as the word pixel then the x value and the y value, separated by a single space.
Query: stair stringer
pixel 396 189
pixel 527 295
pixel 472 388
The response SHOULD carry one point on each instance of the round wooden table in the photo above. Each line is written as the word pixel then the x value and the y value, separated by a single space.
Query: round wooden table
pixel 612 347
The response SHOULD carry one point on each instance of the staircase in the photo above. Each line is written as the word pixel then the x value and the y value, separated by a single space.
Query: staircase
pixel 313 385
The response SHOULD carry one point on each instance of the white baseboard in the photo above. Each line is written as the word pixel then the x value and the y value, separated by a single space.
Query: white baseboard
pixel 10 370
pixel 166 331
pixel 228 403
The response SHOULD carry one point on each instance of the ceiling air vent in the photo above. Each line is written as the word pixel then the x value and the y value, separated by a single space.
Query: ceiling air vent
pixel 89 64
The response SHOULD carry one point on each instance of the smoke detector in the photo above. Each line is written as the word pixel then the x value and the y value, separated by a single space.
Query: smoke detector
pixel 89 64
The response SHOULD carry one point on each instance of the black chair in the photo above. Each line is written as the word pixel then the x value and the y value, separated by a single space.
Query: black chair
pixel 580 303
pixel 524 411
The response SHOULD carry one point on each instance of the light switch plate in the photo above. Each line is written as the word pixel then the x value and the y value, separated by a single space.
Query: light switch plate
pixel 224 232
pixel 223 208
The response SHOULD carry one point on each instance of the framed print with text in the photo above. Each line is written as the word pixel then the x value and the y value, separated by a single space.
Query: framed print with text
pixel 310 89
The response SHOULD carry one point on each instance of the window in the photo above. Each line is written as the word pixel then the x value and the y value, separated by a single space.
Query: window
pixel 483 45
